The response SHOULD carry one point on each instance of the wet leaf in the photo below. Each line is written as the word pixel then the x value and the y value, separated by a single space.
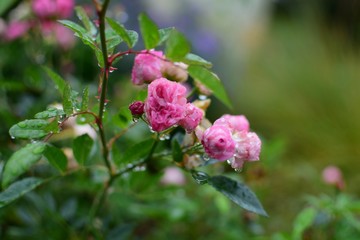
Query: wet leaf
pixel 29 129
pixel 81 147
pixel 56 157
pixel 149 31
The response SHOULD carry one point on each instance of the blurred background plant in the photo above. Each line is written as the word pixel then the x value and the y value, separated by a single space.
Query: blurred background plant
pixel 290 66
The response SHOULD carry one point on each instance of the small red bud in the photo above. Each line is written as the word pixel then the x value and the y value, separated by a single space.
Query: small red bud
pixel 136 108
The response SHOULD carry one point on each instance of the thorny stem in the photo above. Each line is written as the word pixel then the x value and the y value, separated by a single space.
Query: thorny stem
pixel 101 14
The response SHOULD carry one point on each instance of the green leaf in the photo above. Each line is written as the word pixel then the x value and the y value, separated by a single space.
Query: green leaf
pixel 149 31
pixel 134 37
pixel 56 157
pixel 81 147
pixel 57 79
pixel 80 32
pixel 67 103
pixel 21 161
pixel 5 5
pixel 29 129
pixel 164 34
pixel 211 81
pixel 302 222
pixel 18 189
pixel 53 126
pixel 193 59
pixel 123 117
pixel 137 152
pixel 122 32
pixel 177 153
pixel 85 99
pixel 83 17
pixel 112 40
pixel 237 192
pixel 50 113
pixel 177 46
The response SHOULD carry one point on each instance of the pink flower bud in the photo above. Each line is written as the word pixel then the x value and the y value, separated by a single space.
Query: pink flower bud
pixel 193 116
pixel 333 176
pixel 137 108
pixel 218 143
pixel 247 148
pixel 166 104
pixel 16 30
pixel 174 71
pixel 235 123
pixel 147 67
pixel 173 176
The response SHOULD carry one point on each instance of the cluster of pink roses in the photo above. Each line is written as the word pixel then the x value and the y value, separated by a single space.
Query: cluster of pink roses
pixel 228 138
pixel 46 12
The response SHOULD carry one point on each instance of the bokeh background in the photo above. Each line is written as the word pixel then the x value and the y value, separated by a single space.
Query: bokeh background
pixel 292 67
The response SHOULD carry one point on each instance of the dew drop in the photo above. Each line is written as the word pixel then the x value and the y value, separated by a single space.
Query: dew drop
pixel 206 157
pixel 164 137
pixel 238 169
pixel 203 97
pixel 12 137
pixel 111 70
pixel 135 120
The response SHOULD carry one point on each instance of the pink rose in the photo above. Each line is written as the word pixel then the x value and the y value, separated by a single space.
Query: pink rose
pixel 333 176
pixel 218 142
pixel 235 123
pixel 193 116
pixel 166 104
pixel 53 8
pixel 147 67
pixel 16 29
pixel 247 148
pixel 64 8
pixel 44 8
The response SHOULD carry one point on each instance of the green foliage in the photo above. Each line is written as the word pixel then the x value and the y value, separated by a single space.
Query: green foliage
pixel 89 26
pixel 67 101
pixel 211 81
pixel 85 99
pixel 18 189
pixel 193 59
pixel 302 222
pixel 56 157
pixel 130 37
pixel 21 161
pixel 149 31
pixel 177 153
pixel 5 4
pixel 164 34
pixel 30 129
pixel 136 152
pixel 177 46
pixel 50 113
pixel 123 117
pixel 59 82
pixel 82 147
pixel 237 192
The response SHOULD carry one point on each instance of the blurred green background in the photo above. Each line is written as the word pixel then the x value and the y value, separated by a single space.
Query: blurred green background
pixel 292 67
